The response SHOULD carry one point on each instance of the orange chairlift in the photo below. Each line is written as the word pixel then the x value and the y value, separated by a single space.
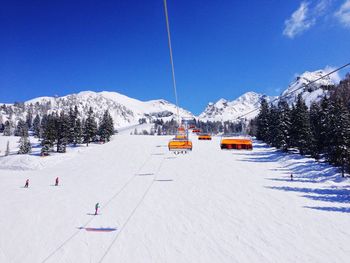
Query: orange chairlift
pixel 239 141
pixel 236 143
pixel 204 136
pixel 180 143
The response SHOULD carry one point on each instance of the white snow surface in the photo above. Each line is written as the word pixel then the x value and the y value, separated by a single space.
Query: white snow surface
pixel 206 206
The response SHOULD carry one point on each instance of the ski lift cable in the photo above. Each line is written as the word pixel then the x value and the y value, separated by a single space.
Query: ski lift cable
pixel 171 59
pixel 102 207
pixel 303 86
pixel 133 211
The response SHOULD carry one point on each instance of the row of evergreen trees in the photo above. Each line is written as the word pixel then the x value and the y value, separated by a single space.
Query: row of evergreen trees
pixel 323 130
pixel 213 127
pixel 60 129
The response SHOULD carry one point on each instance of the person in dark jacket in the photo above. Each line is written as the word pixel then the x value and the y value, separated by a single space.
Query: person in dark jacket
pixel 27 184
pixel 97 206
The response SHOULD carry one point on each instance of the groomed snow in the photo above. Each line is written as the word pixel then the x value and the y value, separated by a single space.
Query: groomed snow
pixel 206 206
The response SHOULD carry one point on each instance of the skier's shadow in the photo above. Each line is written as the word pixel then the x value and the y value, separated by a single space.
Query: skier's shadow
pixel 92 214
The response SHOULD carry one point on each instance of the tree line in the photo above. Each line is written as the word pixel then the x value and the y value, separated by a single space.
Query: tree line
pixel 56 130
pixel 321 131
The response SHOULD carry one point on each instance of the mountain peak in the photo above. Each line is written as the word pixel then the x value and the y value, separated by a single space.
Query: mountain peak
pixel 313 91
pixel 224 110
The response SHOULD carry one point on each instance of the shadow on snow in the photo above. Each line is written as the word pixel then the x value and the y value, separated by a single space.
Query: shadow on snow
pixel 304 170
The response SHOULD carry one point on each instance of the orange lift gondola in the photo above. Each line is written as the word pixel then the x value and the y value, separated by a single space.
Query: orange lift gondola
pixel 236 143
pixel 204 136
pixel 180 143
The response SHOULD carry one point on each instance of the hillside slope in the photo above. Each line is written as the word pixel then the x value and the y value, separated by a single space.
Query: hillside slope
pixel 207 206
pixel 125 111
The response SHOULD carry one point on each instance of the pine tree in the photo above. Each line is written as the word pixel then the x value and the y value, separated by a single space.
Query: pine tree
pixel 340 139
pixel 263 121
pixel 24 145
pixel 273 131
pixel 2 126
pixel 62 132
pixel 283 126
pixel 36 126
pixel 72 116
pixel 106 128
pixel 7 129
pixel 78 133
pixel 90 129
pixel 48 125
pixel 316 129
pixel 302 136
pixel 29 119
pixel 325 130
pixel 21 129
pixel 7 151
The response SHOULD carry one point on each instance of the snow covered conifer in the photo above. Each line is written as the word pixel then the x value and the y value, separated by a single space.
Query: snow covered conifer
pixel 36 126
pixel 301 131
pixel 78 132
pixel 262 121
pixel 273 132
pixel 316 129
pixel 21 129
pixel 48 124
pixel 24 145
pixel 340 139
pixel 325 126
pixel 62 132
pixel 90 128
pixel 106 129
pixel 29 119
pixel 72 120
pixel 7 129
pixel 282 126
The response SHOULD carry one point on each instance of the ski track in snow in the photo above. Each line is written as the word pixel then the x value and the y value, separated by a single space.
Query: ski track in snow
pixel 206 206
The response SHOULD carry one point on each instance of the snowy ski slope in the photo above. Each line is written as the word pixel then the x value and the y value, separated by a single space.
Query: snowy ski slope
pixel 206 206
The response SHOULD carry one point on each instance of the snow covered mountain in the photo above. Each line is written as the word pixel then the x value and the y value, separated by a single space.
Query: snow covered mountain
pixel 125 111
pixel 224 110
pixel 315 91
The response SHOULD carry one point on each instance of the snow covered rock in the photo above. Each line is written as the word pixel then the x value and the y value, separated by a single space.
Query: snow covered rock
pixel 224 110
pixel 313 92
pixel 125 111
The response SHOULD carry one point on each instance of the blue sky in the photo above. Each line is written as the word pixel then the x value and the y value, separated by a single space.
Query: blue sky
pixel 221 48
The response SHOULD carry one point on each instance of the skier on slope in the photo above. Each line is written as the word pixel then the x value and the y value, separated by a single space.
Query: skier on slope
pixel 291 177
pixel 27 184
pixel 97 206
pixel 56 181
